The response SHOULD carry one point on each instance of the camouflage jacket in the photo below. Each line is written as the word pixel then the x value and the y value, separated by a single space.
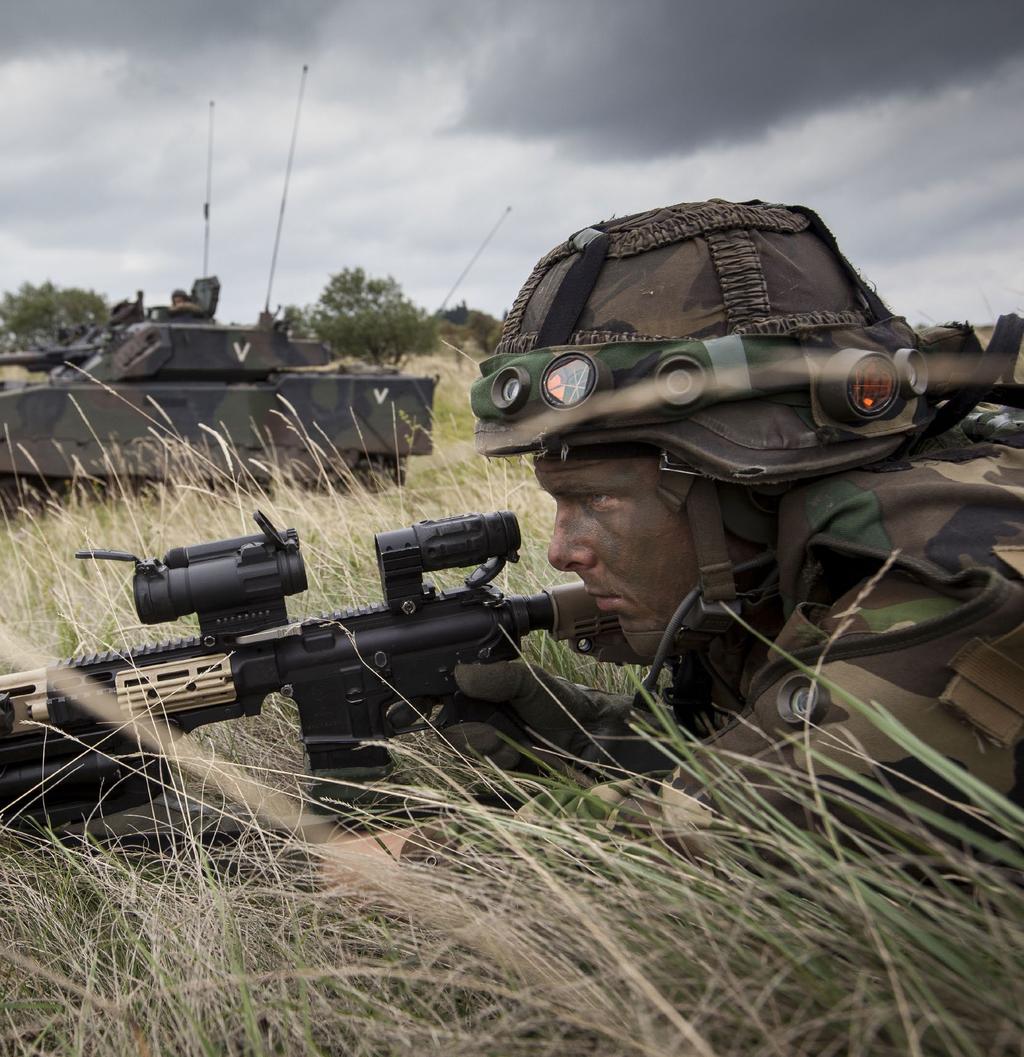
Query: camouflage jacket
pixel 902 586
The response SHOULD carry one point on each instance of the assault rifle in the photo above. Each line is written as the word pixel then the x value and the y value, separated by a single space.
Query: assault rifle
pixel 68 745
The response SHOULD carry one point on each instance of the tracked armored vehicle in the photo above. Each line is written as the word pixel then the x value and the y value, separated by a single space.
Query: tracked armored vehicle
pixel 122 398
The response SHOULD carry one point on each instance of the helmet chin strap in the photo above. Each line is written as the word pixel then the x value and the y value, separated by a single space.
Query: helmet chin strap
pixel 708 609
pixel 695 622
pixel 696 496
pixel 707 527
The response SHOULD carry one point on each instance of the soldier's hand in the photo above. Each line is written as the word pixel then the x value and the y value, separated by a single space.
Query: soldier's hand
pixel 557 715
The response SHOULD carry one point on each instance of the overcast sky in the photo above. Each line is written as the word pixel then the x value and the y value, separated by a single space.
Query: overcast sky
pixel 900 122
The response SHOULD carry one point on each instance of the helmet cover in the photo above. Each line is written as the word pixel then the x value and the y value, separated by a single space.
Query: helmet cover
pixel 733 336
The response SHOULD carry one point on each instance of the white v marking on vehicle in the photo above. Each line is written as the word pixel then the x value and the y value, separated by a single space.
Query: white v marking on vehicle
pixel 381 395
pixel 241 351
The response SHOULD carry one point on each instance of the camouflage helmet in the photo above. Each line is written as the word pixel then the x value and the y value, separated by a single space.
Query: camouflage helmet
pixel 734 337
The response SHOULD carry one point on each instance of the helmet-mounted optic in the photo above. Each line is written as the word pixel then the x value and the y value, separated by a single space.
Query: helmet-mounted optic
pixel 510 389
pixel 732 335
pixel 856 385
pixel 680 380
pixel 568 380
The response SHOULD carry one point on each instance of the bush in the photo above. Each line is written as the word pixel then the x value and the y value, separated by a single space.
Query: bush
pixel 470 329
pixel 370 319
pixel 35 314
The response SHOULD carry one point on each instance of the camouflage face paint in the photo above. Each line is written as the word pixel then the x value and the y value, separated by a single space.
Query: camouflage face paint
pixel 632 552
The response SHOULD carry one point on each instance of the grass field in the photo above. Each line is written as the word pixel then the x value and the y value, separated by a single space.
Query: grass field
pixel 541 936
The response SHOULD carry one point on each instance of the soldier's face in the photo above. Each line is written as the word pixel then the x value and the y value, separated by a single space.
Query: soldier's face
pixel 633 552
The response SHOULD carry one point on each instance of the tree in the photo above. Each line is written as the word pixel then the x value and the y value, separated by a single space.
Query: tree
pixel 471 330
pixel 296 321
pixel 485 329
pixel 35 314
pixel 370 319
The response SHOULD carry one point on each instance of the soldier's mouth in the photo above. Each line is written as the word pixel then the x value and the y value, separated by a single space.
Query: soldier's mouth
pixel 607 603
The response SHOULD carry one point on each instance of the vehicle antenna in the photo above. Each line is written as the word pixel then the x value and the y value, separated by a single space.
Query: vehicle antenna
pixel 472 261
pixel 284 193
pixel 209 185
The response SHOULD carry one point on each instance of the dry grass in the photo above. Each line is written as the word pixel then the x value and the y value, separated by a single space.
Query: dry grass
pixel 542 936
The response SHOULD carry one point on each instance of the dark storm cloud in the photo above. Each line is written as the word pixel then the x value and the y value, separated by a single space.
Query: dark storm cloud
pixel 668 77
pixel 424 118
pixel 601 77
pixel 339 35
pixel 155 26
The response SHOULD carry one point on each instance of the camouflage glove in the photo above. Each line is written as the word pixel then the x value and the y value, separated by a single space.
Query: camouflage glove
pixel 560 718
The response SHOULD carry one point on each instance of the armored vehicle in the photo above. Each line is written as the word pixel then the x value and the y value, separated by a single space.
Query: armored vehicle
pixel 124 396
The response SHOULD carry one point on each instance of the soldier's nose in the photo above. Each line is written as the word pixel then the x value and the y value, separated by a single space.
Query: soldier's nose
pixel 567 553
